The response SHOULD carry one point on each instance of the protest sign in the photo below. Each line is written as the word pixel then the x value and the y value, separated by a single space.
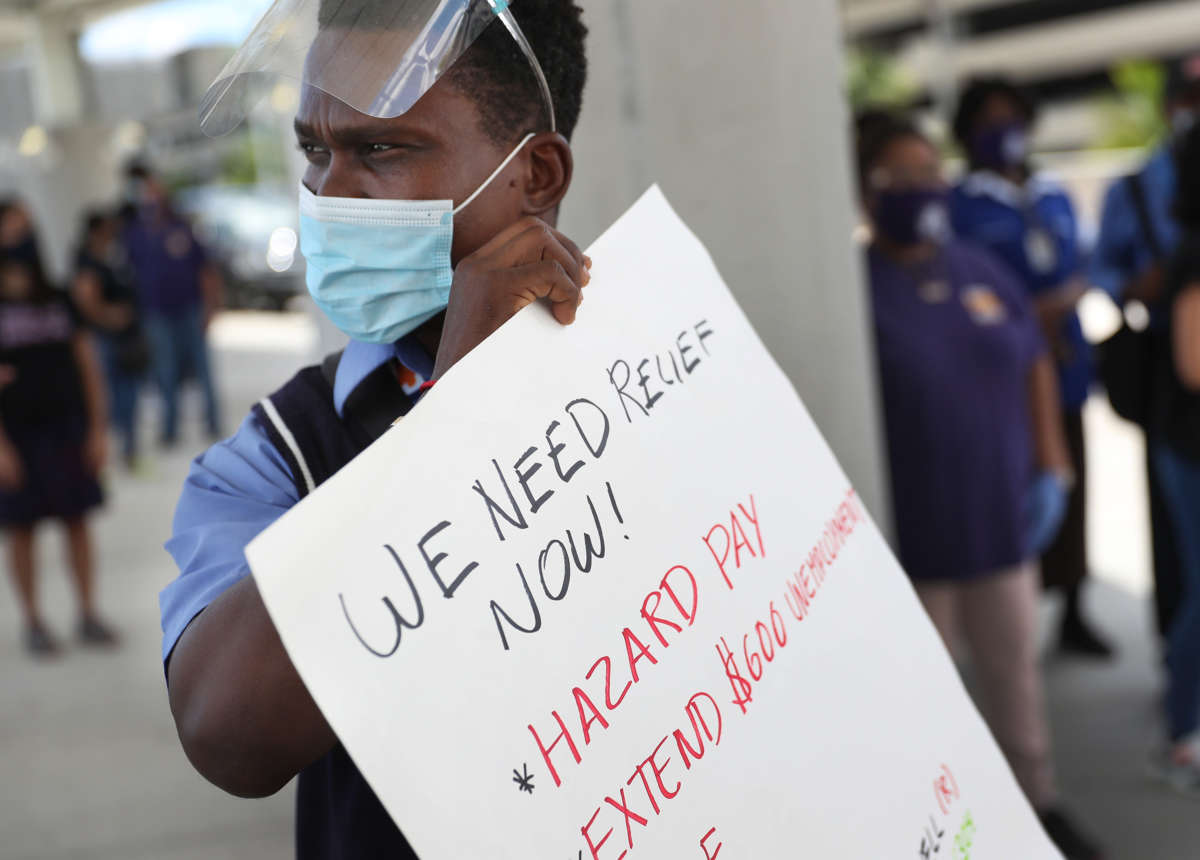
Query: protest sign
pixel 605 592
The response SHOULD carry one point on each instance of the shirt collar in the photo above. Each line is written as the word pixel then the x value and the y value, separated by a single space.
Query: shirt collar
pixel 359 360
pixel 985 183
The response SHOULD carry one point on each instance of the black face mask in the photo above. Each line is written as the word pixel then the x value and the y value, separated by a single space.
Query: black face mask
pixel 913 216
pixel 24 251
pixel 1001 146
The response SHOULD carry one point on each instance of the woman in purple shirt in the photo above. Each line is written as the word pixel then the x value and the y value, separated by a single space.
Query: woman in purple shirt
pixel 979 464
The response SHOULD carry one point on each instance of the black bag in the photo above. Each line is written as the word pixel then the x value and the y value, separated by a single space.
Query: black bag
pixel 1126 362
pixel 1127 358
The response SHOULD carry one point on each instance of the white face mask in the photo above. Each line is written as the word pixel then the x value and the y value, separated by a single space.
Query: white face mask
pixel 380 268
pixel 1182 122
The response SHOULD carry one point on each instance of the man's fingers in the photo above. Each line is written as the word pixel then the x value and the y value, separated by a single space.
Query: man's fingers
pixel 549 280
pixel 532 241
pixel 581 260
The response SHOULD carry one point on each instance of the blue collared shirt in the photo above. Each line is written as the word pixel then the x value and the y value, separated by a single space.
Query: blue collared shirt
pixel 240 486
pixel 1122 249
pixel 1032 229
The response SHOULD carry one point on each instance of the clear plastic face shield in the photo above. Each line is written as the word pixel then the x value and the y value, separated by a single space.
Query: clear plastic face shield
pixel 378 56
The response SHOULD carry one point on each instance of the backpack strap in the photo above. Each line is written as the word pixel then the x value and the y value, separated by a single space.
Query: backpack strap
pixel 302 424
pixel 290 448
pixel 306 430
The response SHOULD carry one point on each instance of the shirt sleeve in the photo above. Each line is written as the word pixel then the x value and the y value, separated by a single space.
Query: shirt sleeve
pixel 1112 261
pixel 233 491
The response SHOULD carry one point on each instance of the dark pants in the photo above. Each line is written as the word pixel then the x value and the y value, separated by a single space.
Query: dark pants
pixel 1180 482
pixel 1065 564
pixel 122 395
pixel 1168 578
pixel 177 341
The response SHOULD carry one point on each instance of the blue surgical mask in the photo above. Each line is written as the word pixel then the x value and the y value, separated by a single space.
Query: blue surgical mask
pixel 380 268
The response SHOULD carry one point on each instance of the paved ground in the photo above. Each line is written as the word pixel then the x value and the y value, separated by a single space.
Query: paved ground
pixel 90 766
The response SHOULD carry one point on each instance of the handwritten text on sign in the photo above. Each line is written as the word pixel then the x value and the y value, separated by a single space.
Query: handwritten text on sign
pixel 606 593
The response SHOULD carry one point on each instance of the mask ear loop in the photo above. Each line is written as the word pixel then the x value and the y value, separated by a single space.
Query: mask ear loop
pixel 500 7
pixel 496 172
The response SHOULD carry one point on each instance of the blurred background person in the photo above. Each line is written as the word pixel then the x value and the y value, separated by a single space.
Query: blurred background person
pixel 1138 234
pixel 1175 433
pixel 980 469
pixel 107 301
pixel 180 291
pixel 1029 223
pixel 53 428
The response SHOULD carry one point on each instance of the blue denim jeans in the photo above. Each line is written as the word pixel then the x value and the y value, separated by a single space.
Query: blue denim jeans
pixel 1180 481
pixel 122 395
pixel 178 344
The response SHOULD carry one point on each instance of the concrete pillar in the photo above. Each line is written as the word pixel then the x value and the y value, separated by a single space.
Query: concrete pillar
pixel 79 169
pixel 737 111
pixel 54 55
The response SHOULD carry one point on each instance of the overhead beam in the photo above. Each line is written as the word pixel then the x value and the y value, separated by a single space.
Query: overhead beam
pixel 1090 42
pixel 1078 45
pixel 863 17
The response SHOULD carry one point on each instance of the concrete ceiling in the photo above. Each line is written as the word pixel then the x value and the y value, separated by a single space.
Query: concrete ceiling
pixel 19 17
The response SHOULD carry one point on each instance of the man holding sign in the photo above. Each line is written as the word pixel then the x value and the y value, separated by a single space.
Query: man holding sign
pixel 436 134
pixel 642 614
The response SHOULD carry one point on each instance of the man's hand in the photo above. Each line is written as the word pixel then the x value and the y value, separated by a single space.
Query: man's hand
pixel 528 261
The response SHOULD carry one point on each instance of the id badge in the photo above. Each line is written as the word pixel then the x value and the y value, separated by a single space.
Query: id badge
pixel 1041 251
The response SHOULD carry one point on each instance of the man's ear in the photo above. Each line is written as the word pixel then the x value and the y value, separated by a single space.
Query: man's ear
pixel 551 166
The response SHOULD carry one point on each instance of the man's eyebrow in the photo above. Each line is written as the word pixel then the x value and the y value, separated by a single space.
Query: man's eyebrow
pixel 352 134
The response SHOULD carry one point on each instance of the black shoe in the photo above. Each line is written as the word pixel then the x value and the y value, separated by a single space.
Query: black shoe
pixel 94 632
pixel 1078 638
pixel 1073 844
pixel 39 642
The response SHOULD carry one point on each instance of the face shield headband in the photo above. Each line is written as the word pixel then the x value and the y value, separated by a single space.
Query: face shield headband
pixel 377 56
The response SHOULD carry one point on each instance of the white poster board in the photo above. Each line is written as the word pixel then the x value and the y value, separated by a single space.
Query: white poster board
pixel 605 592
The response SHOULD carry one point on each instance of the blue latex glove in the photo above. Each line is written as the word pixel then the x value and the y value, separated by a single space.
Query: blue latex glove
pixel 1045 510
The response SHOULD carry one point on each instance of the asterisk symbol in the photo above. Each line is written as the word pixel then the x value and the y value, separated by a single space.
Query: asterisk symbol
pixel 523 780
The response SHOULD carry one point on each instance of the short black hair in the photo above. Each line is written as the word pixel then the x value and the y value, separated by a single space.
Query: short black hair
pixel 26 255
pixel 1187 187
pixel 95 218
pixel 978 93
pixel 137 170
pixel 494 72
pixel 874 132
